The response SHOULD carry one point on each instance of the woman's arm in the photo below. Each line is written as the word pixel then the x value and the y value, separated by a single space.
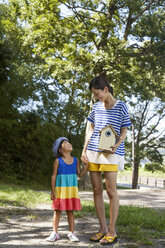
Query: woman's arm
pixel 84 158
pixel 80 172
pixel 53 179
pixel 121 138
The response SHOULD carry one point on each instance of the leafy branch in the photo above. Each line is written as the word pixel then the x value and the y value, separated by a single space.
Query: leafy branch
pixel 131 20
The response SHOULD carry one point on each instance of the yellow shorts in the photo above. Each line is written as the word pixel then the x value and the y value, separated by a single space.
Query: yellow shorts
pixel 102 167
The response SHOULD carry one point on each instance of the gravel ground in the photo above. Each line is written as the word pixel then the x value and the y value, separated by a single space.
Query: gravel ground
pixel 29 227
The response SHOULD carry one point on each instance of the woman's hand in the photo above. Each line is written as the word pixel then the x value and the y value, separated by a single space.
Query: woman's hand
pixel 84 157
pixel 113 149
pixel 120 140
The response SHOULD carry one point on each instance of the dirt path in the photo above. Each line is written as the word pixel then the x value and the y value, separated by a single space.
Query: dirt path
pixel 28 228
pixel 22 227
pixel 146 197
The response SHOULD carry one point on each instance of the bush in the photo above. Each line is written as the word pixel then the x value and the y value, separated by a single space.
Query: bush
pixel 154 167
pixel 127 165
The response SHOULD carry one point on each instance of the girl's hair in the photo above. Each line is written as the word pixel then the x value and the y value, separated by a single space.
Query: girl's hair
pixel 59 154
pixel 100 83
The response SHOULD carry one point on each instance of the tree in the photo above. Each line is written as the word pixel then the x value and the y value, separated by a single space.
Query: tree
pixel 148 138
pixel 122 40
pixel 94 38
pixel 18 87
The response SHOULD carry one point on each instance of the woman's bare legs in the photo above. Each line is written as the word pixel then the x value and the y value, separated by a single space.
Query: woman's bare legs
pixel 70 220
pixel 110 182
pixel 96 180
pixel 56 220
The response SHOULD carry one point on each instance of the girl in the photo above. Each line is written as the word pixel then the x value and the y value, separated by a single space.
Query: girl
pixel 106 111
pixel 64 186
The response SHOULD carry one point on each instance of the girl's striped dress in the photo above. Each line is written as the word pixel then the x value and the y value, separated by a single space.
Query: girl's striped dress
pixel 66 187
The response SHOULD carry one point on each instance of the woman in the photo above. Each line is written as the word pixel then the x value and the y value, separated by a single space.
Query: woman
pixel 106 111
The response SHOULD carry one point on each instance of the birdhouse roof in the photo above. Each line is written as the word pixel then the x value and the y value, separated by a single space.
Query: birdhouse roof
pixel 113 130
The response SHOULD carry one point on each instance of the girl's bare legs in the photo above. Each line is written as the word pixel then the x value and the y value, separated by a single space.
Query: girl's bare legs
pixel 56 220
pixel 70 220
pixel 110 182
pixel 96 180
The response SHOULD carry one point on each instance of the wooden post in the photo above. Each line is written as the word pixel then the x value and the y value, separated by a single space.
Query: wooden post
pixel 163 183
pixel 133 155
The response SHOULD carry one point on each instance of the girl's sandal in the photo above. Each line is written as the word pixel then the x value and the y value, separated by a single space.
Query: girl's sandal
pixel 97 237
pixel 108 240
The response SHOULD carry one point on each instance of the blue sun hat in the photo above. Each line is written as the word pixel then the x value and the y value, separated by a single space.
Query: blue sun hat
pixel 56 145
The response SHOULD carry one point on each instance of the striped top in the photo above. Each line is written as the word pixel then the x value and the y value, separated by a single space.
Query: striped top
pixel 117 116
pixel 66 187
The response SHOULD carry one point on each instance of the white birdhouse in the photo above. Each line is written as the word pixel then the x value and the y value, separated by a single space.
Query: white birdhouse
pixel 107 138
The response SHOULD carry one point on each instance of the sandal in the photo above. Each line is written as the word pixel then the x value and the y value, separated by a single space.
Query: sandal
pixel 108 240
pixel 97 237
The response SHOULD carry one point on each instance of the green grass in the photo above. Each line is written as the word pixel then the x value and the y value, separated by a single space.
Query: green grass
pixel 143 173
pixel 18 196
pixel 140 225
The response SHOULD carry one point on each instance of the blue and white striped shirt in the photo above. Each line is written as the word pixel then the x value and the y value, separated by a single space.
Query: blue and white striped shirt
pixel 117 116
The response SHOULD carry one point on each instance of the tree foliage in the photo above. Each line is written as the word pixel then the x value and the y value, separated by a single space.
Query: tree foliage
pixel 50 50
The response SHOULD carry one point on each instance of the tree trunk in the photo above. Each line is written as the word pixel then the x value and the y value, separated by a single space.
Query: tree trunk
pixel 135 175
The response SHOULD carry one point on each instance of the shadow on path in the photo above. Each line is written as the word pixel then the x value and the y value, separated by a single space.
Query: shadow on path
pixel 22 227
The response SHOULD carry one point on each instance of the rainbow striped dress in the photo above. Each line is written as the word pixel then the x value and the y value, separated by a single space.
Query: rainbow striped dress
pixel 66 187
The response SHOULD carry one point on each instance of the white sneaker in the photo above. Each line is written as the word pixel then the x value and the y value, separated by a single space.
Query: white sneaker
pixel 73 237
pixel 53 237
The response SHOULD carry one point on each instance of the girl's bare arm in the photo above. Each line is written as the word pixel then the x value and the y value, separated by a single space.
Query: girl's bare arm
pixel 53 179
pixel 80 172
pixel 84 158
